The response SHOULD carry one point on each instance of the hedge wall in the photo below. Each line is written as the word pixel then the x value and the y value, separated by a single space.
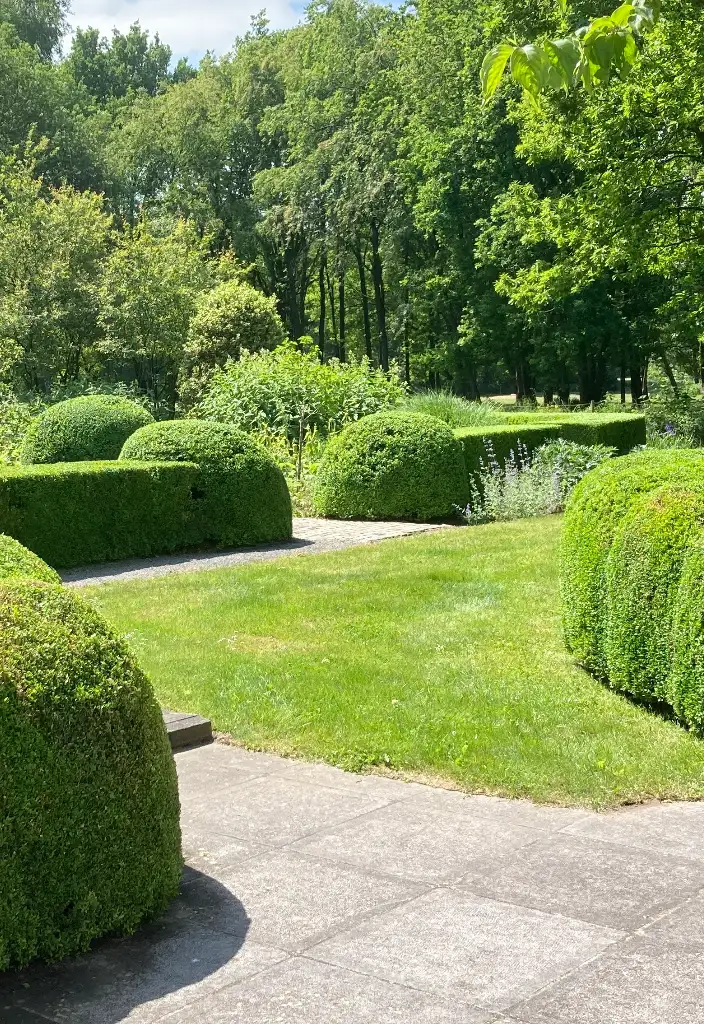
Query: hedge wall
pixel 89 832
pixel 685 687
pixel 77 513
pixel 592 517
pixel 622 432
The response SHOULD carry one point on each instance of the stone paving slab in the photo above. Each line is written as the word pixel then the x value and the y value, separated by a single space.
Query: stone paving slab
pixel 312 896
pixel 310 537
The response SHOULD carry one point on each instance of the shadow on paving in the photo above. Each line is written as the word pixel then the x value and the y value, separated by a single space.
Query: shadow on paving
pixel 200 933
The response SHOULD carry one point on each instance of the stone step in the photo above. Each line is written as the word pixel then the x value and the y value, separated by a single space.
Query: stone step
pixel 187 730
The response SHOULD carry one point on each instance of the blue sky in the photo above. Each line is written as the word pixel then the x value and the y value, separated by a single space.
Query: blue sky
pixel 190 27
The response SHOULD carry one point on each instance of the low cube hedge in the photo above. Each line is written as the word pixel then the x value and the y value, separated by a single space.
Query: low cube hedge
pixel 392 465
pixel 622 432
pixel 17 563
pixel 89 830
pixel 86 429
pixel 75 513
pixel 642 572
pixel 240 494
pixel 592 517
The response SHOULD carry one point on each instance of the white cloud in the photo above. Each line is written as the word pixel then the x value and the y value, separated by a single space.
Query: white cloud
pixel 189 27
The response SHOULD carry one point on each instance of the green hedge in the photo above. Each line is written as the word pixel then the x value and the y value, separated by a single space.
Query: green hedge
pixel 89 830
pixel 85 429
pixel 642 574
pixel 17 563
pixel 685 690
pixel 622 432
pixel 392 465
pixel 76 513
pixel 593 514
pixel 241 494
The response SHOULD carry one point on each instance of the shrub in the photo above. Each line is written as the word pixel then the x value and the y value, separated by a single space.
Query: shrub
pixel 288 390
pixel 642 573
pixel 16 417
pixel 685 688
pixel 89 834
pixel 16 562
pixel 592 516
pixel 241 494
pixel 83 429
pixel 455 410
pixel 674 414
pixel 230 317
pixel 392 465
pixel 621 432
pixel 74 513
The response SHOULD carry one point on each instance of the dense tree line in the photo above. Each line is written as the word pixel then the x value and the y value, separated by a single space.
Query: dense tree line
pixel 349 170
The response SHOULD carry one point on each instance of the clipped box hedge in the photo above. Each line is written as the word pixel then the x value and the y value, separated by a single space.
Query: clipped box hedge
pixel 622 432
pixel 90 842
pixel 75 513
pixel 85 429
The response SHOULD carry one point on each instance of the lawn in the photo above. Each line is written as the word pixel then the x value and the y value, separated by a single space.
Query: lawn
pixel 437 656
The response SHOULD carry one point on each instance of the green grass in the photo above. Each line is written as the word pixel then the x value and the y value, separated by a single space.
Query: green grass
pixel 455 410
pixel 437 656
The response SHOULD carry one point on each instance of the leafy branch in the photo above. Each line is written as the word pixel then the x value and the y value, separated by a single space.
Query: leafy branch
pixel 589 57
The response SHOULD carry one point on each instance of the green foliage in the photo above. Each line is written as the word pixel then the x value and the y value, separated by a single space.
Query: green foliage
pixel 453 409
pixel 84 429
pixel 589 57
pixel 240 494
pixel 17 562
pixel 229 318
pixel 593 514
pixel 642 574
pixel 685 688
pixel 90 841
pixel 75 513
pixel 288 390
pixel 567 462
pixel 126 63
pixel 15 417
pixel 392 465
pixel 675 412
pixel 619 432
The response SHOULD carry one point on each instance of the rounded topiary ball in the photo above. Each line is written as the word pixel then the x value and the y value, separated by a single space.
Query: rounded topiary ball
pixel 643 570
pixel 18 562
pixel 89 833
pixel 685 686
pixel 392 465
pixel 82 430
pixel 597 505
pixel 241 496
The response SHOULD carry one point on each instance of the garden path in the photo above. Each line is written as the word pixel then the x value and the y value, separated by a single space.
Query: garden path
pixel 310 537
pixel 313 896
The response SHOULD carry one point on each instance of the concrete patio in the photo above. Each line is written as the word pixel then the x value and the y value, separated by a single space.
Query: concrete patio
pixel 316 897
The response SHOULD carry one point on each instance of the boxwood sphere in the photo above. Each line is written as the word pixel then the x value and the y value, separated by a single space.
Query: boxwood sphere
pixel 82 430
pixel 89 834
pixel 241 494
pixel 392 465
pixel 642 574
pixel 597 505
pixel 18 562
pixel 685 689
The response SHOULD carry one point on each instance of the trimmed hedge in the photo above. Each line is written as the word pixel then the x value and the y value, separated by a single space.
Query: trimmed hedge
pixel 594 511
pixel 685 690
pixel 17 563
pixel 89 831
pixel 85 429
pixel 74 513
pixel 622 432
pixel 642 574
pixel 392 465
pixel 241 494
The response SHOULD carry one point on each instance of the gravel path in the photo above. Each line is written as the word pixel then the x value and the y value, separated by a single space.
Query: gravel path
pixel 310 537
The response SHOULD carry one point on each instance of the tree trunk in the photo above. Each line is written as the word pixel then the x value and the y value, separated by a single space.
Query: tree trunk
pixel 341 307
pixel 333 315
pixel 623 383
pixel 321 319
pixel 365 302
pixel 636 384
pixel 379 298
